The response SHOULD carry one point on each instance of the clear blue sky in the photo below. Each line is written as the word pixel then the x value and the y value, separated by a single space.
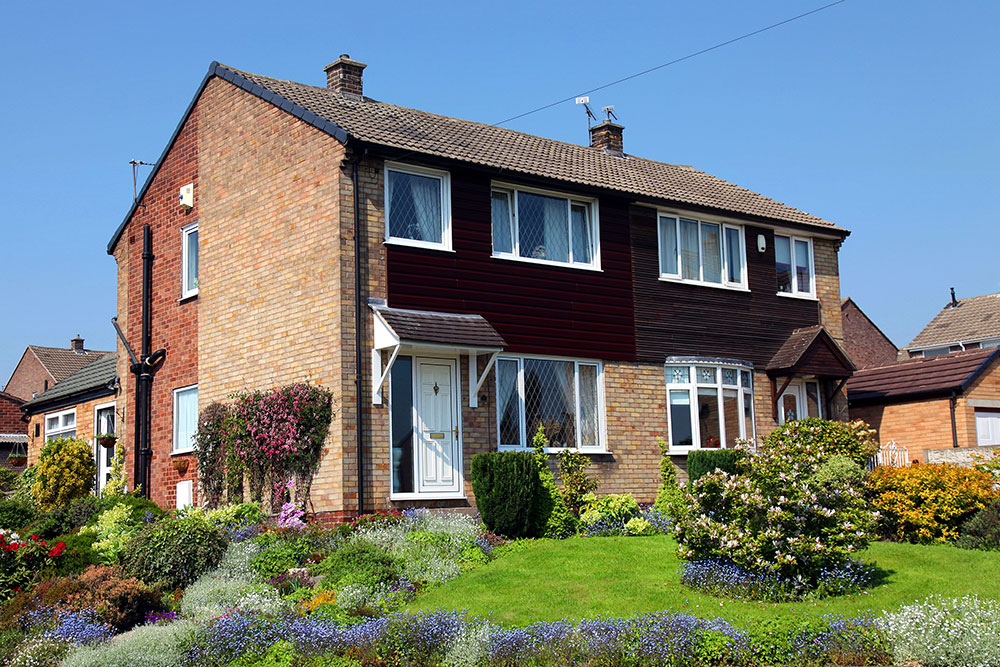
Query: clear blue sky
pixel 878 115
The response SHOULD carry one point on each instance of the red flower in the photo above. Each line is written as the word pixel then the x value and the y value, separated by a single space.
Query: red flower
pixel 57 549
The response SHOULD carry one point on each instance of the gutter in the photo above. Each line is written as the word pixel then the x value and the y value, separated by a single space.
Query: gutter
pixel 954 427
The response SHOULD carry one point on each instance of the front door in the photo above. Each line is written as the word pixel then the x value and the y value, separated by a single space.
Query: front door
pixel 437 426
pixel 104 423
pixel 800 400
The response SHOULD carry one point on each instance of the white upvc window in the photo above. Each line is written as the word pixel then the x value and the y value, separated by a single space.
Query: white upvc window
pixel 564 396
pixel 185 418
pixel 796 272
pixel 988 427
pixel 700 252
pixel 709 405
pixel 546 227
pixel 417 206
pixel 60 424
pixel 189 260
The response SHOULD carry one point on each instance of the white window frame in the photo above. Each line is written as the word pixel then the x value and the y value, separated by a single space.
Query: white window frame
pixel 801 392
pixel 591 205
pixel 174 448
pixel 991 418
pixel 677 277
pixel 796 293
pixel 692 386
pixel 185 268
pixel 444 178
pixel 59 431
pixel 526 437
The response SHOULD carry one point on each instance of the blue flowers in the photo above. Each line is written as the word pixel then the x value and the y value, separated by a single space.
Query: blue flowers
pixel 74 627
pixel 723 578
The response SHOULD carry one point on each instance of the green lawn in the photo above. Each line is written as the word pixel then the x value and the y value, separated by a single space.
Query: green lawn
pixel 621 576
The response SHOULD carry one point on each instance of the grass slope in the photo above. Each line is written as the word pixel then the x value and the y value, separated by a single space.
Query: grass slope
pixel 622 576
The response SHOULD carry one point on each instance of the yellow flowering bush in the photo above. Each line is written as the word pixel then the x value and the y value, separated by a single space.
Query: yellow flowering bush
pixel 928 503
pixel 65 472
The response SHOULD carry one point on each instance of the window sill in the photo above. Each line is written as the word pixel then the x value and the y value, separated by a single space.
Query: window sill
pixel 188 297
pixel 181 452
pixel 699 283
pixel 549 262
pixel 427 496
pixel 440 247
pixel 801 297
pixel 556 450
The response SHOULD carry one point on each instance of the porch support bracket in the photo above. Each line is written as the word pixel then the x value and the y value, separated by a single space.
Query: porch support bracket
pixel 378 375
pixel 776 394
pixel 477 379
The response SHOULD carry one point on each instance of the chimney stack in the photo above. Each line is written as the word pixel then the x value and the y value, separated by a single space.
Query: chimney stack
pixel 954 301
pixel 76 344
pixel 343 76
pixel 608 137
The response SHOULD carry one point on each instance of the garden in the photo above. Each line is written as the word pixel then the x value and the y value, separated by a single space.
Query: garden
pixel 788 553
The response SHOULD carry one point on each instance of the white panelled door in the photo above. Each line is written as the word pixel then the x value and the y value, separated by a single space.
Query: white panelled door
pixel 437 426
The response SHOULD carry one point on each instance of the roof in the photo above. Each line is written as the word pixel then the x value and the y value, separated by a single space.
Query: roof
pixel 920 376
pixel 377 123
pixel 974 318
pixel 11 397
pixel 811 349
pixel 62 362
pixel 423 326
pixel 13 438
pixel 89 379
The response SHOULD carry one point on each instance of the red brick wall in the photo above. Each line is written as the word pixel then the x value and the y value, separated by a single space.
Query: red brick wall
pixel 10 414
pixel 864 343
pixel 174 322
pixel 29 377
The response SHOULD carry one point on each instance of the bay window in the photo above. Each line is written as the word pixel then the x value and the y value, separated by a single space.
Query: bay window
pixel 564 397
pixel 544 226
pixel 417 206
pixel 793 258
pixel 709 405
pixel 709 253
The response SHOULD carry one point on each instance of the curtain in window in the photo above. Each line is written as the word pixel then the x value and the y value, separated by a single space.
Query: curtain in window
pixel 542 227
pixel 802 266
pixel 668 246
pixel 185 418
pixel 590 426
pixel 414 207
pixel 191 279
pixel 783 262
pixel 581 232
pixel 550 400
pixel 711 253
pixel 689 250
pixel 508 402
pixel 734 256
pixel 503 241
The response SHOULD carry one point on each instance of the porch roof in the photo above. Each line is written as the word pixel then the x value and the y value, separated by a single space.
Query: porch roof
pixel 416 327
pixel 811 351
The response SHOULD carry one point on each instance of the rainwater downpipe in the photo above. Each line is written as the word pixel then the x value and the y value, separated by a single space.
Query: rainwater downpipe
pixel 358 321
pixel 954 428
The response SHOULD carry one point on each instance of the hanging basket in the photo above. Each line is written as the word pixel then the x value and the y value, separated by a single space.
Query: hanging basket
pixel 17 460
pixel 180 465
pixel 107 441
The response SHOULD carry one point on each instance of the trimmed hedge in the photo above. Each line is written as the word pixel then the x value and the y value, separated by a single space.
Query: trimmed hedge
pixel 507 488
pixel 700 462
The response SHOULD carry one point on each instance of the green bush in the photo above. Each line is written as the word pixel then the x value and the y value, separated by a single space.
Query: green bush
pixel 551 517
pixel 618 508
pixel 16 513
pixel 855 440
pixel 138 504
pixel 669 497
pixel 63 520
pixel 283 550
pixel 982 531
pixel 9 480
pixel 700 462
pixel 149 646
pixel 837 471
pixel 172 553
pixel 507 487
pixel 113 529
pixel 78 555
pixel 576 483
pixel 65 471
pixel 360 563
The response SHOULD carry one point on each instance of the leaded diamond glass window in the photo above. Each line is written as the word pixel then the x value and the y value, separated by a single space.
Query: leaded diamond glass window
pixel 545 227
pixel 417 205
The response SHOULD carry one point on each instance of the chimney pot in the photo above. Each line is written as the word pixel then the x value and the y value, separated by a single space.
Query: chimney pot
pixel 343 76
pixel 76 344
pixel 607 136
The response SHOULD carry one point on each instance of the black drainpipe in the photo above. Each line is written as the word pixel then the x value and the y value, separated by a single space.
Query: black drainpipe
pixel 358 321
pixel 954 428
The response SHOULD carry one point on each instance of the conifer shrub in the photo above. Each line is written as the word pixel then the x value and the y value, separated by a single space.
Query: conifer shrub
pixel 982 531
pixel 507 488
pixel 700 462
pixel 669 497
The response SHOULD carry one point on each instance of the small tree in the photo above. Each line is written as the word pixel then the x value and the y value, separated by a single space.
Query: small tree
pixel 117 481
pixel 576 483
pixel 669 497
pixel 65 472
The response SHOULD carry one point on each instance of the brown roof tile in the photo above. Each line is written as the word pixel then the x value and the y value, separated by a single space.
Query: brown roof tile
pixel 431 134
pixel 801 342
pixel 62 362
pixel 920 376
pixel 974 318
pixel 422 326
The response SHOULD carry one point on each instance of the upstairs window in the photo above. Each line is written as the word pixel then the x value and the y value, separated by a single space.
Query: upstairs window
pixel 189 260
pixel 417 206
pixel 707 253
pixel 544 227
pixel 793 259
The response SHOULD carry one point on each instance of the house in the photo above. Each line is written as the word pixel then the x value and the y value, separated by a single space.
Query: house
pixel 40 368
pixel 84 406
pixel 941 408
pixel 864 342
pixel 13 430
pixel 456 285
pixel 963 324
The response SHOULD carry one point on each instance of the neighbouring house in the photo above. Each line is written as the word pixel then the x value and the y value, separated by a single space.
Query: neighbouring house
pixel 456 285
pixel 13 430
pixel 941 408
pixel 84 405
pixel 963 324
pixel 864 342
pixel 40 367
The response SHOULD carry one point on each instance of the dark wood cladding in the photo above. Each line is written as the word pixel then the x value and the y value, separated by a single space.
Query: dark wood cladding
pixel 538 309
pixel 679 319
pixel 820 360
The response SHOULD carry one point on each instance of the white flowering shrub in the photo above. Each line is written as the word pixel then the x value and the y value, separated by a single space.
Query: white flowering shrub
pixel 232 585
pixel 791 512
pixel 146 646
pixel 940 632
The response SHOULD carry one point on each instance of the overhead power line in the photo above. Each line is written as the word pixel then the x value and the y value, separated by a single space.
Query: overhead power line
pixel 672 62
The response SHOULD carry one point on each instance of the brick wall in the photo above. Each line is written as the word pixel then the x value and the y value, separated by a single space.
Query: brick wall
pixel 11 415
pixel 84 423
pixel 864 343
pixel 174 322
pixel 29 377
pixel 828 286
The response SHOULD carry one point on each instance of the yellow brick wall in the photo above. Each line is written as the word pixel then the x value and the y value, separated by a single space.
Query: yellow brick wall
pixel 828 286
pixel 84 424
